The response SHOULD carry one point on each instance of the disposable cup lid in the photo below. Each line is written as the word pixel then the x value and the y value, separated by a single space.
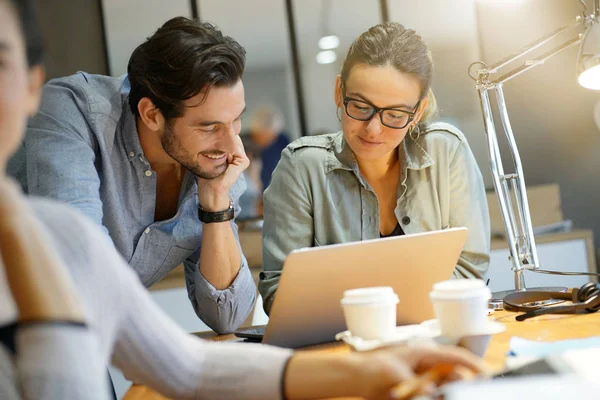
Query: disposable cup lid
pixel 369 295
pixel 460 289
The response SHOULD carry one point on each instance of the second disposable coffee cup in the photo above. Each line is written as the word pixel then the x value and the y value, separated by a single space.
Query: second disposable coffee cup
pixel 460 306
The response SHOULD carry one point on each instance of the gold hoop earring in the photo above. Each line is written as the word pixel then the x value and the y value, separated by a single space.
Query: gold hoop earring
pixel 411 132
pixel 337 114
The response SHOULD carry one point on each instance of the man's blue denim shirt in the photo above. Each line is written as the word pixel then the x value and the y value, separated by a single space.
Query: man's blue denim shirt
pixel 82 148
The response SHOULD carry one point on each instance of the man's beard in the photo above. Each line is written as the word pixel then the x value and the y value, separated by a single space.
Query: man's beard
pixel 173 147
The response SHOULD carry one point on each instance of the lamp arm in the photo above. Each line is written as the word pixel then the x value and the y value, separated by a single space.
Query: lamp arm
pixel 519 229
pixel 521 244
pixel 532 46
pixel 540 60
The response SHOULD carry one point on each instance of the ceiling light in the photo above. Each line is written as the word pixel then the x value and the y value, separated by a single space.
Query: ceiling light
pixel 329 42
pixel 326 57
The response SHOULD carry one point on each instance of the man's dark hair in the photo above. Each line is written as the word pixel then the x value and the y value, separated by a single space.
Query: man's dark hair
pixel 34 46
pixel 178 61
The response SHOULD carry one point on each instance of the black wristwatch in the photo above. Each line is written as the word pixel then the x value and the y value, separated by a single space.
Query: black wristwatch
pixel 218 216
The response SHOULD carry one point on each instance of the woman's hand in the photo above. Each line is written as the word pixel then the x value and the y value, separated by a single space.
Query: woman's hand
pixel 385 369
pixel 39 284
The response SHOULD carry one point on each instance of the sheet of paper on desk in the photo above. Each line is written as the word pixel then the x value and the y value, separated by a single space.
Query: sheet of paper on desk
pixel 524 347
pixel 523 351
pixel 542 387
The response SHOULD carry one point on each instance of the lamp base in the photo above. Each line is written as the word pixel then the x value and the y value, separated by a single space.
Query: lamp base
pixel 497 301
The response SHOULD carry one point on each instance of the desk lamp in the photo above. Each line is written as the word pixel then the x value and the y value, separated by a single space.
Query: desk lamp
pixel 523 253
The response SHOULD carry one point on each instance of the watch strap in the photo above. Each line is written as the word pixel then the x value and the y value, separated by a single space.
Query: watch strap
pixel 217 216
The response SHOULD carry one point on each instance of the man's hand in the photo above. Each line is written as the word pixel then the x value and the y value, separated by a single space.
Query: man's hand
pixel 213 194
pixel 39 284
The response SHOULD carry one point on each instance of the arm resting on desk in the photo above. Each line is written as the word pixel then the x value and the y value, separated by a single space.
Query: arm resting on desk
pixel 222 310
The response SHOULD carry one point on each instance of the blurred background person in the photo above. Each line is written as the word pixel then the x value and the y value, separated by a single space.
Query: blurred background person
pixel 267 132
pixel 251 199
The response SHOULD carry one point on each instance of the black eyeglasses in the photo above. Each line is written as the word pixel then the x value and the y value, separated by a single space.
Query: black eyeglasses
pixel 390 117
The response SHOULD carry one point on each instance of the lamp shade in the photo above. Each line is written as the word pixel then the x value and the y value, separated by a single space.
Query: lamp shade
pixel 588 61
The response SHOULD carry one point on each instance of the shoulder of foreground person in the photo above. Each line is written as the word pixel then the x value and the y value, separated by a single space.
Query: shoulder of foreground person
pixel 87 253
pixel 66 226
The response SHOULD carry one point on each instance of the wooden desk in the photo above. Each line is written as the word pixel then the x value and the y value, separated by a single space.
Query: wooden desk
pixel 547 328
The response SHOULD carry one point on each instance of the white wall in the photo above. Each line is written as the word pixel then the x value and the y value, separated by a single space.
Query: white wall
pixel 258 25
pixel 129 22
pixel 319 84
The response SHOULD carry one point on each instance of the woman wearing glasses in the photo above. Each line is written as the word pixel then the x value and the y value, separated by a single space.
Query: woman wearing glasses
pixel 392 170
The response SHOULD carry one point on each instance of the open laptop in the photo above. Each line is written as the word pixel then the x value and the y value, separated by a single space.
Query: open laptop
pixel 306 309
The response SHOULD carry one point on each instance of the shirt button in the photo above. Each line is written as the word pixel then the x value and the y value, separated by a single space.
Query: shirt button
pixel 131 154
pixel 148 173
pixel 405 220
pixel 147 230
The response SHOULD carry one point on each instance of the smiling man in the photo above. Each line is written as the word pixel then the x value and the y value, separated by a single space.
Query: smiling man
pixel 155 158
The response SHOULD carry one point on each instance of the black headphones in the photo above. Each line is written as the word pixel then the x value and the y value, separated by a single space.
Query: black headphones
pixel 586 298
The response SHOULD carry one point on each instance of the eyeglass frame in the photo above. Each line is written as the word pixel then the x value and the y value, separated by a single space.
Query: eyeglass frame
pixel 377 110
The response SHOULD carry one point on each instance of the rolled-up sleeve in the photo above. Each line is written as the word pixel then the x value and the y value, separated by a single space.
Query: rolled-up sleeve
pixel 288 222
pixel 222 310
pixel 469 208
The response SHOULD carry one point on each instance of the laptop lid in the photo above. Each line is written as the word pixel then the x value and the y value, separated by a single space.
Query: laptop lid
pixel 306 309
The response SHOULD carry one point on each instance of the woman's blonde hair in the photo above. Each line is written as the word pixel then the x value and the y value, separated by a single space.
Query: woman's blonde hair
pixel 392 44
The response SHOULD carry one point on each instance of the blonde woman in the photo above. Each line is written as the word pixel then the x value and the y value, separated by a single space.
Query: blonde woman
pixel 392 170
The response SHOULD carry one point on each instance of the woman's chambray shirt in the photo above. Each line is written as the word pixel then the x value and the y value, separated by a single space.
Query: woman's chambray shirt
pixel 318 197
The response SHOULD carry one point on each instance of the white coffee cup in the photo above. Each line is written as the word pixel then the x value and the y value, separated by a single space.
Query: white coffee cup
pixel 460 306
pixel 370 313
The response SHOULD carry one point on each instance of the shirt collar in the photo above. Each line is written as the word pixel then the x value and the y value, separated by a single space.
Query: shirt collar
pixel 342 157
pixel 415 155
